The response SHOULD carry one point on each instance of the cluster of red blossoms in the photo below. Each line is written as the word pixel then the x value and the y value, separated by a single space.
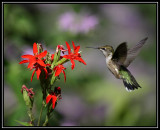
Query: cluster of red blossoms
pixel 38 62
pixel 54 96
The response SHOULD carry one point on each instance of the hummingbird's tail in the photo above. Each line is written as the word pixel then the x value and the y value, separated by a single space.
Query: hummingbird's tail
pixel 129 81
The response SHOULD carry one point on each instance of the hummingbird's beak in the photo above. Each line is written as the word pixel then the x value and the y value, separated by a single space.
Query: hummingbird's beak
pixel 93 47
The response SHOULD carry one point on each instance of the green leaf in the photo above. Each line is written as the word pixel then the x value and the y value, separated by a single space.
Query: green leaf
pixel 24 123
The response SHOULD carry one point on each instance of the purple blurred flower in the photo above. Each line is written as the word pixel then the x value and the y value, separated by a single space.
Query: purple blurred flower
pixel 66 20
pixel 72 107
pixel 28 50
pixel 122 14
pixel 77 23
pixel 75 111
pixel 11 51
pixel 69 123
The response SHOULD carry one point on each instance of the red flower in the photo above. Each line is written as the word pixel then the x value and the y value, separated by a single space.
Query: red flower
pixel 54 99
pixel 58 69
pixel 35 61
pixel 73 55
pixel 54 96
pixel 38 70
pixel 60 47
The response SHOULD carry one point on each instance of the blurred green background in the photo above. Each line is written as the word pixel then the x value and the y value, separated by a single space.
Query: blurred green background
pixel 91 96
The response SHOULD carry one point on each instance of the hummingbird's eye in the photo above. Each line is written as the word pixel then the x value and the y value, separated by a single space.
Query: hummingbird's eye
pixel 103 48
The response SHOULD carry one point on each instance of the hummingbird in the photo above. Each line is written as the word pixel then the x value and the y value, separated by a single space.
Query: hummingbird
pixel 117 62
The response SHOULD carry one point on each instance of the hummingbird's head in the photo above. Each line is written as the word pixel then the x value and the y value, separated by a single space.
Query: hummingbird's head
pixel 107 50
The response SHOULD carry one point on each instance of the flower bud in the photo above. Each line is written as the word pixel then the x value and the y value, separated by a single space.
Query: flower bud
pixel 48 58
pixel 40 48
pixel 57 91
pixel 28 96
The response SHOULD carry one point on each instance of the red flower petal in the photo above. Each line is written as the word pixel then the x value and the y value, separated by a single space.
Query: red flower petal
pixel 32 75
pixel 58 71
pixel 52 57
pixel 41 62
pixel 38 72
pixel 76 48
pixel 73 45
pixel 43 54
pixel 69 49
pixel 48 64
pixel 24 61
pixel 31 63
pixel 48 98
pixel 27 56
pixel 81 60
pixel 35 50
pixel 66 56
pixel 73 63
pixel 54 99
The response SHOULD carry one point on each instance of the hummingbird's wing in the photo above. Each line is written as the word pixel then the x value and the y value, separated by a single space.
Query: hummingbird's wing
pixel 120 53
pixel 133 52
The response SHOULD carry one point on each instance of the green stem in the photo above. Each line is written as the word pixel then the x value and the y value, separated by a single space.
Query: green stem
pixel 40 115
pixel 49 111
pixel 30 114
pixel 52 79
pixel 56 58
pixel 46 121
pixel 62 61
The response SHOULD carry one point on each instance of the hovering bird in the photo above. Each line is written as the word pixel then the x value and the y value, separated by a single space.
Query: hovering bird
pixel 117 62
